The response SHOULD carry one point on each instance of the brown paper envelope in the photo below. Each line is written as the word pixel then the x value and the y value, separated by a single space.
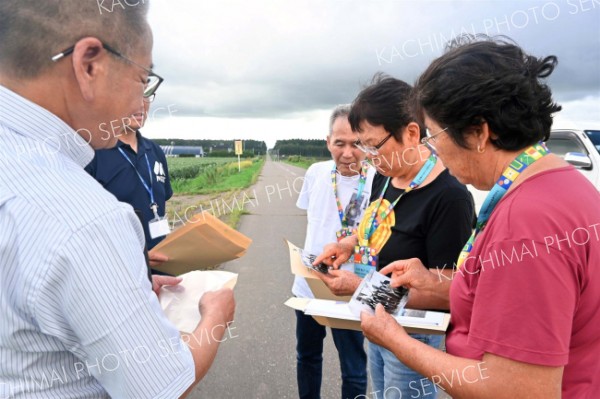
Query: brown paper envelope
pixel 203 242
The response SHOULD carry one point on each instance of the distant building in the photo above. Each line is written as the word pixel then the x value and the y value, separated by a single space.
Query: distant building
pixel 222 146
pixel 178 150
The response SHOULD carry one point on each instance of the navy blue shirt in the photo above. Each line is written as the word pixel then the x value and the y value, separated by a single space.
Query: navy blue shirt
pixel 117 175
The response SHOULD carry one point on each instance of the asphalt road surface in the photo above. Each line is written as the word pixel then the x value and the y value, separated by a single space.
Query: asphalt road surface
pixel 259 360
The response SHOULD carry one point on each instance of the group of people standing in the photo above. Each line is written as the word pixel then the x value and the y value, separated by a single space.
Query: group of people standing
pixel 407 206
pixel 479 115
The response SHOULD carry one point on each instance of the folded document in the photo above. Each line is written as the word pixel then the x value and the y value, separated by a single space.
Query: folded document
pixel 180 302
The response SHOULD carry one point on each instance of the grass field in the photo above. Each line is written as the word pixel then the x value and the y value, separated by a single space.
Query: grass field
pixel 192 176
pixel 178 163
pixel 197 182
pixel 188 168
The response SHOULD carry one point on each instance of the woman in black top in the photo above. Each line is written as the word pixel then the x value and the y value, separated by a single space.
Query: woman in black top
pixel 421 212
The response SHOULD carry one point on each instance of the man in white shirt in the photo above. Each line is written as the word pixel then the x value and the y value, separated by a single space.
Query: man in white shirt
pixel 334 194
pixel 79 317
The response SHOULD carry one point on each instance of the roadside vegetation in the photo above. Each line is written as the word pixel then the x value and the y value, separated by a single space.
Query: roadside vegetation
pixel 198 182
pixel 303 162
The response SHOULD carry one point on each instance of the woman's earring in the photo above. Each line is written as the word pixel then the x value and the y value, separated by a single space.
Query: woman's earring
pixel 479 150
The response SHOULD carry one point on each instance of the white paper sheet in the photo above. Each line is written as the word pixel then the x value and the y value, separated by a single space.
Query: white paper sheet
pixel 342 310
pixel 180 302
pixel 412 317
pixel 324 307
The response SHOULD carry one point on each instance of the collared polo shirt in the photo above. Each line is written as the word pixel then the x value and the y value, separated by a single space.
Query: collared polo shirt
pixel 111 169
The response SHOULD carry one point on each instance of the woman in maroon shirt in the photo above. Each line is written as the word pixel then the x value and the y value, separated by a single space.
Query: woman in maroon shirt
pixel 526 291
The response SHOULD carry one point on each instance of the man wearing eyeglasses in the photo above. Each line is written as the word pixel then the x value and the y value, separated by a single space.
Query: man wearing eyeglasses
pixel 335 194
pixel 79 318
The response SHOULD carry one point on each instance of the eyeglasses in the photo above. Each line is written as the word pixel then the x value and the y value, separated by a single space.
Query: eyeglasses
pixel 372 150
pixel 152 83
pixel 150 98
pixel 429 141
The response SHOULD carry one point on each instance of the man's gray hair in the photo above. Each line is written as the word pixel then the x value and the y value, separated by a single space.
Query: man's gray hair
pixel 32 31
pixel 338 112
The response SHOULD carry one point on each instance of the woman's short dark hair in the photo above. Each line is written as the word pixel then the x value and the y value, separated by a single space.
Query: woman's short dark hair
pixel 384 102
pixel 493 80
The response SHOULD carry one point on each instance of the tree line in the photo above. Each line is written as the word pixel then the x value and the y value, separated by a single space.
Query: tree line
pixel 250 146
pixel 304 147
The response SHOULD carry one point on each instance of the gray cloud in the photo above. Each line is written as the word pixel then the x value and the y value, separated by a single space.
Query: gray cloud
pixel 275 59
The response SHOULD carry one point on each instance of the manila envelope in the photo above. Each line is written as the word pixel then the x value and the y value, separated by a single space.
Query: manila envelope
pixel 203 242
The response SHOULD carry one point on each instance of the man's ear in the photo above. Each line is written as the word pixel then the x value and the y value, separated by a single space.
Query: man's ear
pixel 89 64
pixel 329 143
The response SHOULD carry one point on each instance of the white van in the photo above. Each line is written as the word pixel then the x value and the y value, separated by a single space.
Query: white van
pixel 579 148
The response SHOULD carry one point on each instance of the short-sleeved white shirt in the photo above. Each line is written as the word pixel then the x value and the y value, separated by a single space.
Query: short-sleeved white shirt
pixel 318 199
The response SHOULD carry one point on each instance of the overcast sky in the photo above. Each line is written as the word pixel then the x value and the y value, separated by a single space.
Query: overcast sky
pixel 271 70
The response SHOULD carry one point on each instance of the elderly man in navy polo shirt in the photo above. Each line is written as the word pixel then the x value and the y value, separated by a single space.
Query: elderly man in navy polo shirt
pixel 136 172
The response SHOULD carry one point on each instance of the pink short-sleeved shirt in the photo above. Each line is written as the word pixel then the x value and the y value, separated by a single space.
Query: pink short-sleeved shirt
pixel 530 289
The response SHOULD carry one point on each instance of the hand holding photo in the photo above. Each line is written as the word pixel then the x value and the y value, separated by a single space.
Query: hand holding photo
pixel 308 259
pixel 374 289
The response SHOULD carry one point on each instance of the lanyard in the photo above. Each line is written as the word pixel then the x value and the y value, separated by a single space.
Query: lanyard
pixel 361 185
pixel 374 220
pixel 153 204
pixel 510 174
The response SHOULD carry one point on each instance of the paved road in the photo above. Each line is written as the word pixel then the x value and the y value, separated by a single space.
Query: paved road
pixel 259 362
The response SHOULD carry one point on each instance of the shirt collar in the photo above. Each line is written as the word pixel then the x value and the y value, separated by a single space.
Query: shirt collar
pixel 142 143
pixel 37 123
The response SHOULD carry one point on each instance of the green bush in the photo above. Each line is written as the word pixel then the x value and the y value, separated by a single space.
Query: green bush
pixel 212 175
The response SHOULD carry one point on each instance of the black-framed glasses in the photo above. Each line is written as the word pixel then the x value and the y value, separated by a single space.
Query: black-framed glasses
pixel 429 140
pixel 372 150
pixel 152 84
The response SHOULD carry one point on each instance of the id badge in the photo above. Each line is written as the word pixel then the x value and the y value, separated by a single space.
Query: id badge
pixel 343 233
pixel 159 227
pixel 365 260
